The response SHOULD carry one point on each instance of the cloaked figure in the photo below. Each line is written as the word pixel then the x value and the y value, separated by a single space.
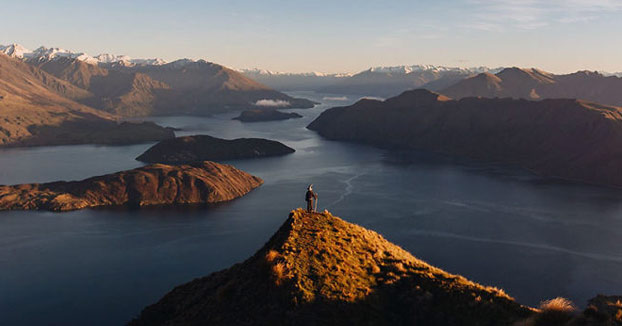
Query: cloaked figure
pixel 310 197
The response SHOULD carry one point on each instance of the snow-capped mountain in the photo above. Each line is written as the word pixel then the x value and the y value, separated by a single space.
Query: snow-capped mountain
pixel 47 54
pixel 429 68
pixel 381 81
pixel 111 58
pixel 286 81
pixel 14 50
pixel 264 72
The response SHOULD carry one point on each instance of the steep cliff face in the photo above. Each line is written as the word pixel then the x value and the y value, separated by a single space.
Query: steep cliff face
pixel 320 270
pixel 206 148
pixel 201 183
pixel 563 138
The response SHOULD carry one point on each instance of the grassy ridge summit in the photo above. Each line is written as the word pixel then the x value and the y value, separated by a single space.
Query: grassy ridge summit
pixel 37 108
pixel 320 270
pixel 564 138
pixel 207 148
pixel 158 184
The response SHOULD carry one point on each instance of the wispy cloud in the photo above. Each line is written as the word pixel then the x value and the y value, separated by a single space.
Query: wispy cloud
pixel 271 103
pixel 491 15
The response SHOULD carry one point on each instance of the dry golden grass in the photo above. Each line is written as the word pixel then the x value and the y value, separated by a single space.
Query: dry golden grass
pixel 556 311
pixel 319 269
pixel 272 255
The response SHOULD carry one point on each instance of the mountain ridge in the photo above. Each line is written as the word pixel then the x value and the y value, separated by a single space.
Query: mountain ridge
pixel 563 138
pixel 535 84
pixel 39 109
pixel 319 269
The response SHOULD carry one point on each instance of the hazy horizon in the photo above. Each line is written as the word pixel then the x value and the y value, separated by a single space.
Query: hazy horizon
pixel 556 36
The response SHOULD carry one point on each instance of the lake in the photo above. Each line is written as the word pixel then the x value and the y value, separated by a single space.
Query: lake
pixel 536 238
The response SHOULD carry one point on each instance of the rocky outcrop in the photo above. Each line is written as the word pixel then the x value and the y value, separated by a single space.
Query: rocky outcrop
pixel 158 184
pixel 570 139
pixel 265 115
pixel 207 148
pixel 320 270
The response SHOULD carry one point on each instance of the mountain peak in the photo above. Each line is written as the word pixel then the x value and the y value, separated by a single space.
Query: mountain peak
pixel 319 269
pixel 14 50
pixel 526 73
pixel 417 97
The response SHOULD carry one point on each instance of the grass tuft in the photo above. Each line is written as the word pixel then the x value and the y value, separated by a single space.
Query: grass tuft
pixel 556 311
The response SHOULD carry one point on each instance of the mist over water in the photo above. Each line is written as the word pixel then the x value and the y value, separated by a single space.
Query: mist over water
pixel 533 237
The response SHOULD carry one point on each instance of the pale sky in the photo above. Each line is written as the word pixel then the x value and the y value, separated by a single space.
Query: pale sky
pixel 331 36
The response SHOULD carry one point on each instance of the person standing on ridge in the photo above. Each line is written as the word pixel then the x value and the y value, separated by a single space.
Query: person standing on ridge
pixel 310 197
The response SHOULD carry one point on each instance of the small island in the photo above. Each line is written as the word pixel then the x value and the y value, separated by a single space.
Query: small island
pixel 158 184
pixel 197 148
pixel 257 115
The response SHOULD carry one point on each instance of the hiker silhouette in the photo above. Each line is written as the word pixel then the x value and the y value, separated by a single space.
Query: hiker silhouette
pixel 310 197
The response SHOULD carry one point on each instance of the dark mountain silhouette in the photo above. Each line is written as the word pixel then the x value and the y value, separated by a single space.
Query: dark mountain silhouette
pixel 259 115
pixel 565 138
pixel 206 148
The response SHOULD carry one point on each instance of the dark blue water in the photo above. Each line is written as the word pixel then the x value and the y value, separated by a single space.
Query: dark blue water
pixel 535 238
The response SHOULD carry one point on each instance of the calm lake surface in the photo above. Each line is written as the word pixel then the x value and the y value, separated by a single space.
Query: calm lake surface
pixel 533 237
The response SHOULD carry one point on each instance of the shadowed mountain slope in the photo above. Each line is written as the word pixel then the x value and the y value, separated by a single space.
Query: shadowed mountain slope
pixel 564 138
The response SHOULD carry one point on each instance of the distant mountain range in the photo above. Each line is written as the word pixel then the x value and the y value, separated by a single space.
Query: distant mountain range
pixel 51 86
pixel 45 54
pixel 455 82
pixel 130 87
pixel 376 81
pixel 37 108
pixel 283 81
pixel 534 84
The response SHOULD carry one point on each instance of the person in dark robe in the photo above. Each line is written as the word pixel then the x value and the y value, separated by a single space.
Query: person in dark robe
pixel 310 197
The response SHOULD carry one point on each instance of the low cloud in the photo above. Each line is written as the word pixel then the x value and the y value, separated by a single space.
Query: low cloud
pixel 335 98
pixel 371 98
pixel 272 103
